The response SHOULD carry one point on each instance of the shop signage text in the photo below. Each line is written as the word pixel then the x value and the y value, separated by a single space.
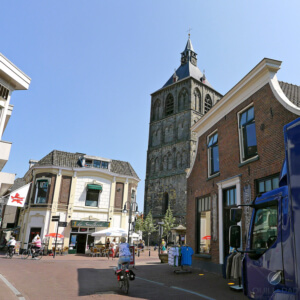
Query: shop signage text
pixel 89 224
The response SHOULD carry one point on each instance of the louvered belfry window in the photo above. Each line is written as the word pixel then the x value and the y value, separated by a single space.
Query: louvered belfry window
pixel 169 105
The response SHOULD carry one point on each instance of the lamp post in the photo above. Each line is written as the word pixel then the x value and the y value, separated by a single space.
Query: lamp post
pixel 133 209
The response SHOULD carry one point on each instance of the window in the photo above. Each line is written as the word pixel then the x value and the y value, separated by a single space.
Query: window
pixel 264 232
pixel 41 191
pixel 97 163
pixel 3 92
pixel 267 184
pixel 247 133
pixel 203 225
pixel 213 154
pixel 198 105
pixel 165 203
pixel 92 195
pixel 169 105
pixel 104 165
pixel 207 104
pixel 93 163
pixel 230 196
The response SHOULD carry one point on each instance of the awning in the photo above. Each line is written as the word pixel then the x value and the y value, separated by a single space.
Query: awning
pixel 10 229
pixel 94 187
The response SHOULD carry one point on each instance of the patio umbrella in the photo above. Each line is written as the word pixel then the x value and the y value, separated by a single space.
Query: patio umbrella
pixel 112 231
pixel 60 236
pixel 134 235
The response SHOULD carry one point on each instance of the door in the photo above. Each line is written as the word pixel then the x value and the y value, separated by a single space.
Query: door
pixel 33 232
pixel 229 201
pixel 81 243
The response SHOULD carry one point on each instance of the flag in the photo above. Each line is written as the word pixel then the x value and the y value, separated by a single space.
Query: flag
pixel 18 197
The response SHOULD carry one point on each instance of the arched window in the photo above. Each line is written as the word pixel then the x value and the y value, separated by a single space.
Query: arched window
pixel 182 99
pixel 170 162
pixel 198 104
pixel 208 104
pixel 165 163
pixel 184 159
pixel 156 110
pixel 169 109
pixel 178 160
pixel 165 203
pixel 156 164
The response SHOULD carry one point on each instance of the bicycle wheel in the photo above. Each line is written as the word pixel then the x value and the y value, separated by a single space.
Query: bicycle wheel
pixel 39 255
pixel 126 285
pixel 25 254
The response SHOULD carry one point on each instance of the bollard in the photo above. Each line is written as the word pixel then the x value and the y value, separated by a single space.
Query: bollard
pixel 138 252
pixel 149 251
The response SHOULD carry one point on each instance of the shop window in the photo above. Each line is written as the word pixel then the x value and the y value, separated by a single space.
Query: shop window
pixel 203 225
pixel 41 191
pixel 213 154
pixel 267 184
pixel 247 133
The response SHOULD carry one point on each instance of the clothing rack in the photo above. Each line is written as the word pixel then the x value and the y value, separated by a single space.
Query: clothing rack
pixel 237 287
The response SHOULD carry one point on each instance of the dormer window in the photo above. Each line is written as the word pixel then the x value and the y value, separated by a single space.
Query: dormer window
pixel 95 163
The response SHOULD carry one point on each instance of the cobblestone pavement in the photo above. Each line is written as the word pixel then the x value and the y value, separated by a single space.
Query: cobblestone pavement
pixel 82 277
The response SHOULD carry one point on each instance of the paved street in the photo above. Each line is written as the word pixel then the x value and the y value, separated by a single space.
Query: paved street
pixel 82 277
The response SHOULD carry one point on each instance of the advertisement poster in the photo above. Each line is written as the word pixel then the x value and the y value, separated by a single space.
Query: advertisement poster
pixel 17 247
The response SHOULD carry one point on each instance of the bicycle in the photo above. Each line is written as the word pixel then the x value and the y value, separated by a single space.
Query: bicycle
pixel 36 254
pixel 123 277
pixel 10 252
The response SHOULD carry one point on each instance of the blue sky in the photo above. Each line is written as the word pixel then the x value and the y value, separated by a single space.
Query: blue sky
pixel 94 64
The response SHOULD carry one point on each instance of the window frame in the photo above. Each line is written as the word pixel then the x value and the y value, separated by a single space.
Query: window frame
pixel 169 106
pixel 43 179
pixel 206 206
pixel 244 156
pixel 264 179
pixel 98 200
pixel 210 153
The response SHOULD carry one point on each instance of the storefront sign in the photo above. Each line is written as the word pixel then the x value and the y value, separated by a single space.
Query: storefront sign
pixel 89 224
pixel 132 255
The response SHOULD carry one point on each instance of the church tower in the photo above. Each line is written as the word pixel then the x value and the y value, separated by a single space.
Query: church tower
pixel 181 102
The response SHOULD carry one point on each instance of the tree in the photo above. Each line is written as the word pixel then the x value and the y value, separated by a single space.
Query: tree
pixel 139 223
pixel 149 226
pixel 169 221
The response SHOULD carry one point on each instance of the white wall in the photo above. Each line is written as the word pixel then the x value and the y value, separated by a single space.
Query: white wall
pixel 80 191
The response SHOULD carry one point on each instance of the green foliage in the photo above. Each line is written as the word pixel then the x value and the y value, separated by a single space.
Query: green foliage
pixel 149 226
pixel 139 224
pixel 169 221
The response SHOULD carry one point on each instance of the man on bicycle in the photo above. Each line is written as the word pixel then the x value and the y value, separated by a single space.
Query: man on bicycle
pixel 36 245
pixel 11 244
pixel 124 253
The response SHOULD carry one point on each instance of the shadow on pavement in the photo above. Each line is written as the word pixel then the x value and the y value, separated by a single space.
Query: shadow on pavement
pixel 156 282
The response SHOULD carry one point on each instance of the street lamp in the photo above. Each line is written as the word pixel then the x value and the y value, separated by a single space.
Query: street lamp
pixel 133 209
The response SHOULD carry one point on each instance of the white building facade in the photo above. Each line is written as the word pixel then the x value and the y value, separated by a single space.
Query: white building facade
pixel 88 194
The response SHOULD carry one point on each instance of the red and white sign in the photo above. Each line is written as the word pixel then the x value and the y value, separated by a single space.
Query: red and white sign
pixel 18 197
pixel 132 256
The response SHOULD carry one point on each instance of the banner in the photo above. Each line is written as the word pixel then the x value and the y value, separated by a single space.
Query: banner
pixel 18 197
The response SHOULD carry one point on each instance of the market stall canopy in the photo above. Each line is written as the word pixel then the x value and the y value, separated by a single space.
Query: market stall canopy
pixel 134 235
pixel 113 231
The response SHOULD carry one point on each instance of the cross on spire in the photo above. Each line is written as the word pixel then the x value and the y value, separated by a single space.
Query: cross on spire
pixel 189 31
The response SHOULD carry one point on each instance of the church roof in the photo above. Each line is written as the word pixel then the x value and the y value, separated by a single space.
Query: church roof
pixel 187 68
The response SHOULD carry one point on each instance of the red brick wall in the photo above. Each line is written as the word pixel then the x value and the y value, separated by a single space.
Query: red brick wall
pixel 270 117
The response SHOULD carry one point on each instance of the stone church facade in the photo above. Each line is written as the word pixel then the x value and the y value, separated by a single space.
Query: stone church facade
pixel 179 104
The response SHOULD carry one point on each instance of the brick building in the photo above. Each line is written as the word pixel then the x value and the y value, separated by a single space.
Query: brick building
pixel 183 100
pixel 87 192
pixel 240 151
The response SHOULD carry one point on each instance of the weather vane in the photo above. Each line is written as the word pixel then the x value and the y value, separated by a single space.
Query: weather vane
pixel 189 31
